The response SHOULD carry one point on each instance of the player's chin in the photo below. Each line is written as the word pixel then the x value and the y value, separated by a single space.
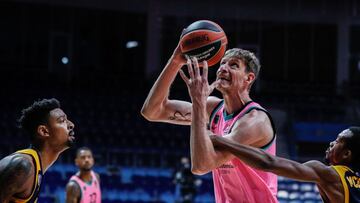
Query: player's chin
pixel 70 142
pixel 221 87
pixel 87 168
pixel 327 159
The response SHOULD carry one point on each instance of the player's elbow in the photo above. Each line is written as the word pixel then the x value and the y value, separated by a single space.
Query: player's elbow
pixel 148 113
pixel 199 170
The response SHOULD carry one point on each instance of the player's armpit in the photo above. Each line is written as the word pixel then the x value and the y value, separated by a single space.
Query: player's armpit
pixel 72 192
pixel 15 170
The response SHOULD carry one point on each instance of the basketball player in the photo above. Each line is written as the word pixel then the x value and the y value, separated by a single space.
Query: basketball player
pixel 235 117
pixel 51 133
pixel 84 186
pixel 339 182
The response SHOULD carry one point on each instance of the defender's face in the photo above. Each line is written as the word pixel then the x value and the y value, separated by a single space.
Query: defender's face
pixel 61 130
pixel 335 151
pixel 231 74
pixel 85 160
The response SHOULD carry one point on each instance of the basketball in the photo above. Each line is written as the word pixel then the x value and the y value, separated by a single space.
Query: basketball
pixel 204 40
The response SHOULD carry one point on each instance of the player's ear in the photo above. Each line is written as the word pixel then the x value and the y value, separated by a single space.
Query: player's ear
pixel 250 77
pixel 347 154
pixel 43 131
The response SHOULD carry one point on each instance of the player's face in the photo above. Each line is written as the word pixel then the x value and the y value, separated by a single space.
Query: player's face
pixel 334 154
pixel 61 130
pixel 84 160
pixel 232 75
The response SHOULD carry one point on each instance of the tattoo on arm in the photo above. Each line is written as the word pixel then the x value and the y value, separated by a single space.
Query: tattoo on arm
pixel 180 116
pixel 14 171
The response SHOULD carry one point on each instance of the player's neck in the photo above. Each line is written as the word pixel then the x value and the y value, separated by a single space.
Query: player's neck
pixel 47 158
pixel 234 102
pixel 85 175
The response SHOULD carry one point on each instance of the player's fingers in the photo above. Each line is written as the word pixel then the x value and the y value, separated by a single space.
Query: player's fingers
pixel 205 70
pixel 190 68
pixel 196 67
pixel 184 77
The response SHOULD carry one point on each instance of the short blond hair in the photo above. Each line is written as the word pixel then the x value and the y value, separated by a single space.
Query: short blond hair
pixel 251 62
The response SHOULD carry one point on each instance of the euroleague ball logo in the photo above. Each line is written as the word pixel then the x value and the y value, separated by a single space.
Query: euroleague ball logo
pixel 197 39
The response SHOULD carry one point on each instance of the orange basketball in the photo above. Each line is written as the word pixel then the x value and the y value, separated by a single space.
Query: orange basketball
pixel 204 40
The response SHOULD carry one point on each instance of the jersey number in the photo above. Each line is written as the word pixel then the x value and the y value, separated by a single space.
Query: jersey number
pixel 93 198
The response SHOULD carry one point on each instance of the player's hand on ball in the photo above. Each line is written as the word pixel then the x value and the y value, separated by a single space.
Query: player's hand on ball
pixel 178 56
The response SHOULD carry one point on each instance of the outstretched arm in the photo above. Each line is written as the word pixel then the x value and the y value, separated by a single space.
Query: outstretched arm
pixel 312 171
pixel 16 174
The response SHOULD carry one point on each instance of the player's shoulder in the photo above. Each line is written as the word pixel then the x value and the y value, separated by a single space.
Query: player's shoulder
pixel 326 172
pixel 258 114
pixel 212 102
pixel 316 163
pixel 72 185
pixel 319 165
pixel 16 162
pixel 73 189
pixel 97 175
pixel 17 170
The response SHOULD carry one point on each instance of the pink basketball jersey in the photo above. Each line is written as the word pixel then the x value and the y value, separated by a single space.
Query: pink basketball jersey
pixel 234 181
pixel 90 193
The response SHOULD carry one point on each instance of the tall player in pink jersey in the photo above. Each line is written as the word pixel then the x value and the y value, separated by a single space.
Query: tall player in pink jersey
pixel 235 117
pixel 84 186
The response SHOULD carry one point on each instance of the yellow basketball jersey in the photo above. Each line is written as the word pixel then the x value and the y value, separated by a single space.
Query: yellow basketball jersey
pixel 351 182
pixel 38 176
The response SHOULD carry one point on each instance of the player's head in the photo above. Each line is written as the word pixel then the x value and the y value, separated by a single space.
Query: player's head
pixel 47 124
pixel 239 67
pixel 84 159
pixel 345 149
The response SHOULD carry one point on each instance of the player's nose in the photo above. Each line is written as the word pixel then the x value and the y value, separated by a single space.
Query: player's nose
pixel 222 68
pixel 71 125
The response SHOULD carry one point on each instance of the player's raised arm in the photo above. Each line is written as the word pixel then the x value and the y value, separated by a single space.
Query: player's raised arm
pixel 312 171
pixel 157 106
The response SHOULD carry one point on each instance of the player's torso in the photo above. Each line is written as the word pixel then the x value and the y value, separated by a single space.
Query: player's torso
pixel 234 181
pixel 90 191
pixel 350 180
